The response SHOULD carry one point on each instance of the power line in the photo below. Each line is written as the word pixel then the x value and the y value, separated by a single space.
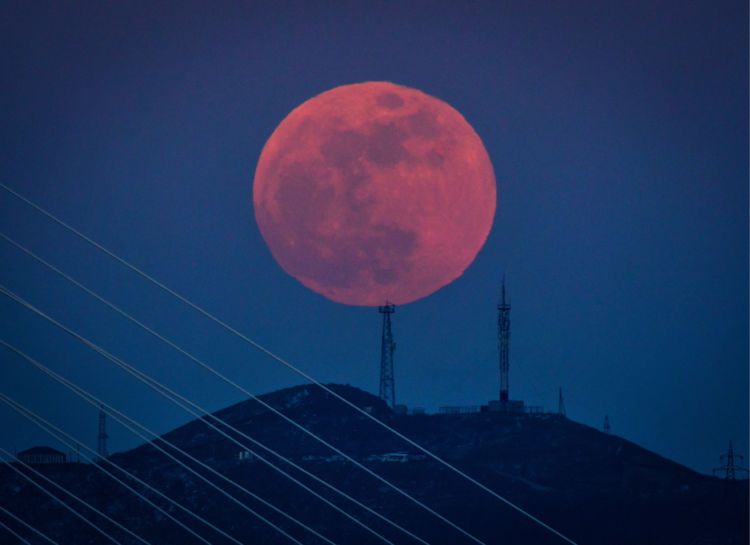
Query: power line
pixel 22 522
pixel 298 371
pixel 205 413
pixel 252 396
pixel 266 405
pixel 170 394
pixel 245 391
pixel 68 507
pixel 13 533
pixel 70 442
pixel 131 424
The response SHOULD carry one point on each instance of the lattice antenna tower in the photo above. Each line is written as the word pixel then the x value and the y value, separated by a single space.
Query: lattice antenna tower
pixel 607 428
pixel 503 342
pixel 387 347
pixel 560 404
pixel 729 465
pixel 101 439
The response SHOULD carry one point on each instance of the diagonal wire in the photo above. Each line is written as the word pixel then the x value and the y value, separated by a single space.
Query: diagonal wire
pixel 206 366
pixel 252 396
pixel 171 395
pixel 22 522
pixel 72 442
pixel 298 371
pixel 240 388
pixel 131 424
pixel 269 353
pixel 14 533
pixel 68 507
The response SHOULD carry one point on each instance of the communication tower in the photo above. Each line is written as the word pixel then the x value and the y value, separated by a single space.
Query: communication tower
pixel 101 442
pixel 607 428
pixel 503 341
pixel 560 404
pixel 388 346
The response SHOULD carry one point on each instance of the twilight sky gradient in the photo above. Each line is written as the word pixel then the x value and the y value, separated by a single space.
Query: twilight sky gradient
pixel 619 137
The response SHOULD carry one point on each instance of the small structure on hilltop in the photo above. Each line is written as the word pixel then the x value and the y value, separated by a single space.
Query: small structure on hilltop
pixel 245 456
pixel 41 455
pixel 460 409
pixel 396 457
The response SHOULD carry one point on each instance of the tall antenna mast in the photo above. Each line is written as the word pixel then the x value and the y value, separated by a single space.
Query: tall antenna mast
pixel 607 428
pixel 560 404
pixel 101 439
pixel 503 341
pixel 387 381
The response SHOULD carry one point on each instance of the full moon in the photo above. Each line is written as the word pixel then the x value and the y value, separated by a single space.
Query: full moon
pixel 374 192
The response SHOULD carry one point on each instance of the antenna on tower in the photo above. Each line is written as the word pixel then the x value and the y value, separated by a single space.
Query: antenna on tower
pixel 388 346
pixel 607 428
pixel 560 404
pixel 503 341
pixel 729 466
pixel 101 440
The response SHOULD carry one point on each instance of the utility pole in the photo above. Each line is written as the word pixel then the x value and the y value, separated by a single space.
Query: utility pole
pixel 560 404
pixel 387 347
pixel 503 341
pixel 607 428
pixel 101 442
pixel 729 467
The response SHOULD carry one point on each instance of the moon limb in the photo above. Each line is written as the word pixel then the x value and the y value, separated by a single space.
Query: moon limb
pixel 374 191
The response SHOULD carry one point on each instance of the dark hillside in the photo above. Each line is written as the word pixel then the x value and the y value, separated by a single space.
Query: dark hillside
pixel 595 488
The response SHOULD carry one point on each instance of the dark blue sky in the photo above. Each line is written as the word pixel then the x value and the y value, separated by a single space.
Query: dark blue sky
pixel 619 136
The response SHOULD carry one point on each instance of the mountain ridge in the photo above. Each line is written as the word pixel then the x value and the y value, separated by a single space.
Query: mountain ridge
pixel 591 486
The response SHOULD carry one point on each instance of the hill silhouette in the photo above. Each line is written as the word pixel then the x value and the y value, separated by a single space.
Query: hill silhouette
pixel 595 488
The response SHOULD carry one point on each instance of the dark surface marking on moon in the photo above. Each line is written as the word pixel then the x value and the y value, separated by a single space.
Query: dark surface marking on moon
pixel 302 198
pixel 389 100
pixel 423 123
pixel 365 251
pixel 436 157
pixel 343 148
pixel 386 145
pixel 359 202
pixel 383 144
pixel 359 252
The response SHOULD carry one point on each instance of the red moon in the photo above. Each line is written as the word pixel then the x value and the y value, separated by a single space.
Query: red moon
pixel 373 192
